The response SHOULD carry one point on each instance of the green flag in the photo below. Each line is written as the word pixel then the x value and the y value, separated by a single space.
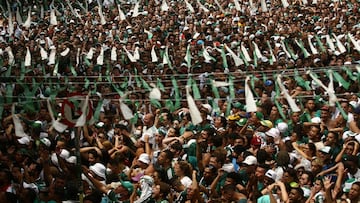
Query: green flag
pixel 341 80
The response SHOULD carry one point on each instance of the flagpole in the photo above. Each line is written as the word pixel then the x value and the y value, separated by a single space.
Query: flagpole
pixel 78 165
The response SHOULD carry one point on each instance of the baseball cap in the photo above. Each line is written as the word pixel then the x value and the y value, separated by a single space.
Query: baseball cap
pixel 273 132
pixel 25 140
pixel 239 105
pixel 144 158
pixel 271 174
pixel 99 124
pixel 234 117
pixel 207 107
pixel 266 123
pixel 325 149
pixel 99 169
pixel 162 131
pixel 256 140
pixel 45 141
pixel 282 127
pixel 250 160
pixel 259 115
pixel 268 83
pixel 241 122
pixel 348 185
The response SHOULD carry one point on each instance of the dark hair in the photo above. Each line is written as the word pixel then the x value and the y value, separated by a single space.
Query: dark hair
pixel 228 188
pixel 185 167
pixel 299 190
pixel 164 188
pixel 212 168
pixel 264 166
pixel 217 140
pixel 177 146
pixel 234 176
pixel 312 147
pixel 292 172
pixel 310 174
pixel 262 156
pixel 169 154
pixel 283 158
pixel 93 152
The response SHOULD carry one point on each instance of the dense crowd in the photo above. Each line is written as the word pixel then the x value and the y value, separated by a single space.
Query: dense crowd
pixel 179 101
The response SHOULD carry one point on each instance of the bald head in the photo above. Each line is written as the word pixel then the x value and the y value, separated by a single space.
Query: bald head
pixel 149 119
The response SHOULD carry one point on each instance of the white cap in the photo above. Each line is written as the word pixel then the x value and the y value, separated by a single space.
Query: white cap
pixel 271 174
pixel 45 141
pixel 273 132
pixel 207 107
pixel 144 158
pixel 282 127
pixel 250 160
pixel 99 169
pixel 25 140
pixel 325 149
pixel 316 120
pixel 64 154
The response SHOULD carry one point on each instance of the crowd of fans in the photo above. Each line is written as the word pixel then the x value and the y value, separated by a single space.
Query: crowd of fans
pixel 141 64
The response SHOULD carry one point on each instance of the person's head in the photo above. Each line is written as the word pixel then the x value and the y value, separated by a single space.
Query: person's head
pixel 306 178
pixel 239 141
pixel 102 137
pixel 314 133
pixel 217 159
pixel 159 175
pixel 182 168
pixel 318 184
pixel 5 177
pixel 296 195
pixel 310 104
pixel 176 148
pixel 354 193
pixel 143 161
pixel 160 190
pixel 60 180
pixel 316 165
pixel 92 156
pixel 115 164
pixel 260 171
pixel 295 117
pixel 209 172
pixel 325 154
pixel 270 177
pixel 160 135
pixel 148 120
pixel 332 138
pixel 289 176
pixel 349 147
pixel 98 171
pixel 227 192
pixel 122 189
pixel 283 159
pixel 232 178
pixel 351 163
pixel 310 149
pixel 165 157
pixel 325 113
pixel 219 121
